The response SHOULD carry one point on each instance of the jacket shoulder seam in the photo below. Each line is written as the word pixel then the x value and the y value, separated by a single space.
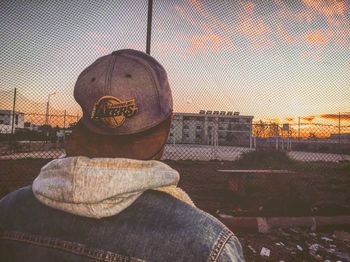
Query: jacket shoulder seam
pixel 222 239
pixel 68 246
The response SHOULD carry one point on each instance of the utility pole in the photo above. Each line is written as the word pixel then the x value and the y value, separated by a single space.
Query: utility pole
pixel 13 112
pixel 149 27
pixel 48 108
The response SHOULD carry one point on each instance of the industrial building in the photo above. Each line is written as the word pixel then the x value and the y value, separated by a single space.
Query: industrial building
pixel 211 128
pixel 6 119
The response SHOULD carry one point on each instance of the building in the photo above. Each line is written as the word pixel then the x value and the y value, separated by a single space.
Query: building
pixel 211 128
pixel 342 138
pixel 6 118
pixel 30 126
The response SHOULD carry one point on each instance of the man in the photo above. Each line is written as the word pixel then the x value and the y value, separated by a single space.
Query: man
pixel 109 199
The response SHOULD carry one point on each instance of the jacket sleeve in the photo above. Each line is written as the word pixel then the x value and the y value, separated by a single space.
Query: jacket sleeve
pixel 232 251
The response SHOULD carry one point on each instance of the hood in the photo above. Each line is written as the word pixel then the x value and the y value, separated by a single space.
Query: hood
pixel 100 187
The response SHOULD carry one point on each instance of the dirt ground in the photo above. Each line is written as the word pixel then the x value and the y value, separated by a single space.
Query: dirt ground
pixel 297 244
pixel 313 191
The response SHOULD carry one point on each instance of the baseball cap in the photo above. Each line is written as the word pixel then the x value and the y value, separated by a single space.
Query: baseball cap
pixel 123 93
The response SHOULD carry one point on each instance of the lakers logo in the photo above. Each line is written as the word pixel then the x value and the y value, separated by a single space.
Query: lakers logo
pixel 112 112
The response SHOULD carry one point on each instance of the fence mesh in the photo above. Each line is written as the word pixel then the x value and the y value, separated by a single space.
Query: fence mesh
pixel 246 76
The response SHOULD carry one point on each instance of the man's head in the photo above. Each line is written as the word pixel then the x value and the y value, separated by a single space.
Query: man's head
pixel 127 108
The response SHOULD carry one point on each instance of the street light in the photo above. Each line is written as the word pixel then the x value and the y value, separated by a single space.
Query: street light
pixel 48 107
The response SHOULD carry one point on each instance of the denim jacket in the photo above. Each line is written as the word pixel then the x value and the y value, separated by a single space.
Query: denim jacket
pixel 156 226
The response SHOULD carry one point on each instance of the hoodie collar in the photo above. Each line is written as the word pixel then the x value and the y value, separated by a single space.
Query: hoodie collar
pixel 99 187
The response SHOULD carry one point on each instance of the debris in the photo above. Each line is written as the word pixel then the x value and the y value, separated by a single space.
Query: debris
pixel 294 230
pixel 342 255
pixel 314 248
pixel 261 208
pixel 313 234
pixel 252 249
pixel 332 246
pixel 265 252
pixel 314 209
pixel 327 239
pixel 327 260
pixel 318 257
pixel 299 248
pixel 279 244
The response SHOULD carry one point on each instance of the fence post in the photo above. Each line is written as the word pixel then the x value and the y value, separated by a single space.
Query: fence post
pixel 64 119
pixel 149 26
pixel 299 128
pixel 339 128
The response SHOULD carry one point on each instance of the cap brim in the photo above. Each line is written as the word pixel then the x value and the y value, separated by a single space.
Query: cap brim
pixel 142 146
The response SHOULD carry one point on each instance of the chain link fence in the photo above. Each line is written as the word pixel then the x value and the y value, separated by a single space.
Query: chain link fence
pixel 270 63
pixel 207 135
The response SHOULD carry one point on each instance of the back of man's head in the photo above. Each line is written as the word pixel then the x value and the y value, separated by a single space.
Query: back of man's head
pixel 127 108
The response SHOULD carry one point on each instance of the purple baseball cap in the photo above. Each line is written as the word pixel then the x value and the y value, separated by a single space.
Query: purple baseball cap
pixel 125 92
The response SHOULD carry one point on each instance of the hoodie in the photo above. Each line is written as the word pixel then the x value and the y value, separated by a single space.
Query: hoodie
pixel 102 187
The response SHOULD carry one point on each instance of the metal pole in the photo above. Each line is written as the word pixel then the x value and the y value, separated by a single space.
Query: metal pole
pixel 64 119
pixel 339 129
pixel 47 111
pixel 13 111
pixel 149 27
pixel 299 128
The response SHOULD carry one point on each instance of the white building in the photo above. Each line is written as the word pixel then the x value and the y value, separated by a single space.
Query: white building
pixel 6 118
pixel 211 128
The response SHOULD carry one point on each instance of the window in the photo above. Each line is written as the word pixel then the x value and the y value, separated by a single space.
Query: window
pixel 198 127
pixel 187 135
pixel 171 134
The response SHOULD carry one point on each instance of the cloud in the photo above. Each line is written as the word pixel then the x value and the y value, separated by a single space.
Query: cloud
pixel 344 116
pixel 332 10
pixel 308 118
pixel 101 50
pixel 189 18
pixel 211 39
pixel 212 43
pixel 200 8
pixel 318 37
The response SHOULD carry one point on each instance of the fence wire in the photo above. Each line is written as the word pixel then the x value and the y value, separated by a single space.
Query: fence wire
pixel 247 77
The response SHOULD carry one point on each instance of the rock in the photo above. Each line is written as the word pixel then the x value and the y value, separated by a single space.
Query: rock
pixel 265 252
pixel 327 239
pixel 299 248
pixel 314 248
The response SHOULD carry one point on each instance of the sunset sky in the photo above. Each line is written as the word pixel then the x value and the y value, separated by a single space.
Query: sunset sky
pixel 270 59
